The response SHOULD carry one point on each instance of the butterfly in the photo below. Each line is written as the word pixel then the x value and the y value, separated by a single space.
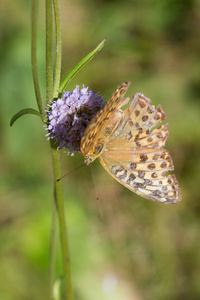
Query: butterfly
pixel 129 149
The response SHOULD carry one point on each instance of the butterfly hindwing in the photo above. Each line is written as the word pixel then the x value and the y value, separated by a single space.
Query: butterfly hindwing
pixel 144 174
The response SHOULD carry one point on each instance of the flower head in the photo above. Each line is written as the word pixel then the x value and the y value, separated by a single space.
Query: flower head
pixel 70 115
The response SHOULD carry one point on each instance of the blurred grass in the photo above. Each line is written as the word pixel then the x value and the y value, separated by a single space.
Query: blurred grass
pixel 151 251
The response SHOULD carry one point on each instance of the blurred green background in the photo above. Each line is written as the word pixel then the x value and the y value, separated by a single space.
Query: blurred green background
pixel 125 247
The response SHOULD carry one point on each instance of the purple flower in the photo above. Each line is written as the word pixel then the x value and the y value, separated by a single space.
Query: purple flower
pixel 70 115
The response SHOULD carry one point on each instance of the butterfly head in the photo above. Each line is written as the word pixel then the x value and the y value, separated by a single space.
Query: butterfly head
pixel 93 153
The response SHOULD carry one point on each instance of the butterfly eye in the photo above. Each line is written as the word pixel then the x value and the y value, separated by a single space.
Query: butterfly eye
pixel 98 148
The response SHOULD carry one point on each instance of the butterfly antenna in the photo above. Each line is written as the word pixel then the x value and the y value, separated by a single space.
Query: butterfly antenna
pixel 94 183
pixel 70 172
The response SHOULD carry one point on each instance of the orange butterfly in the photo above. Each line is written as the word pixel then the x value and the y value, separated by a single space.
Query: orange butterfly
pixel 129 149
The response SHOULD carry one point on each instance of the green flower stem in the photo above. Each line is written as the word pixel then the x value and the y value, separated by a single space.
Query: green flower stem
pixel 55 94
pixel 55 153
pixel 49 96
pixel 58 196
pixel 34 55
pixel 52 251
pixel 61 218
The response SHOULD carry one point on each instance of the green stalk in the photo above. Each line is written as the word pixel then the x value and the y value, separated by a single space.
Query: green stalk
pixel 52 251
pixel 52 90
pixel 55 94
pixel 50 94
pixel 62 222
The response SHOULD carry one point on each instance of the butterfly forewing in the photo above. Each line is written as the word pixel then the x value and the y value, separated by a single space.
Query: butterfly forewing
pixel 133 153
pixel 138 119
pixel 105 121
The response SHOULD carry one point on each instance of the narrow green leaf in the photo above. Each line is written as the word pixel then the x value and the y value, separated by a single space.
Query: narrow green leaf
pixel 56 289
pixel 34 25
pixel 49 50
pixel 80 65
pixel 24 112
pixel 58 51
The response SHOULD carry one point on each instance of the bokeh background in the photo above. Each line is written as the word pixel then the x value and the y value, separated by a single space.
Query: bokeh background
pixel 125 247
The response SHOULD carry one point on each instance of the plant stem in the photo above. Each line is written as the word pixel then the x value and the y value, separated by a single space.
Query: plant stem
pixel 49 96
pixel 62 223
pixel 52 250
pixel 50 93
pixel 55 95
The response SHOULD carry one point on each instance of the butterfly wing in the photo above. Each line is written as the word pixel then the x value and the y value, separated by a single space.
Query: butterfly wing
pixel 104 123
pixel 135 156
pixel 147 179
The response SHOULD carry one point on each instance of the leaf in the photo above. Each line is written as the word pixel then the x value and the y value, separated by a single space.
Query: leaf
pixel 56 289
pixel 81 64
pixel 24 112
